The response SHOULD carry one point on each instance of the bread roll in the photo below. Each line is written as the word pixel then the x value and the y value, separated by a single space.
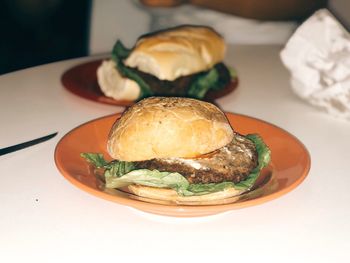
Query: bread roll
pixel 177 52
pixel 160 127
pixel 113 85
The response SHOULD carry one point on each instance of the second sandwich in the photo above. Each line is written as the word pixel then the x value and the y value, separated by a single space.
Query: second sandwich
pixel 184 61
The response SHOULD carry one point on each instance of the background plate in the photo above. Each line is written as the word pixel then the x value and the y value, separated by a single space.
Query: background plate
pixel 82 81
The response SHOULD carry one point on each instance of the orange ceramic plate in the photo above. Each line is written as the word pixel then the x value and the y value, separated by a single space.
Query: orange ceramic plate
pixel 290 164
pixel 82 81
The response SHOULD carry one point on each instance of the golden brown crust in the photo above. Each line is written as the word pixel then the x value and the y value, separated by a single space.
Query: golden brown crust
pixel 160 127
pixel 178 52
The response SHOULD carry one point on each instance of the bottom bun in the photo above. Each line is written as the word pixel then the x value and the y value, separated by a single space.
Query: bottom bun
pixel 170 195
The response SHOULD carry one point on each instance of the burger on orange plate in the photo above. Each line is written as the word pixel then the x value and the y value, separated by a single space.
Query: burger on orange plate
pixel 180 149
pixel 184 61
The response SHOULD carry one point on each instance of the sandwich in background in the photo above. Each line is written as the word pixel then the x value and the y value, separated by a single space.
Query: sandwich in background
pixel 185 61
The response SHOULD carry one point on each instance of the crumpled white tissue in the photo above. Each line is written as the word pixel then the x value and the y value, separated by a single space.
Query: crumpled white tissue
pixel 318 58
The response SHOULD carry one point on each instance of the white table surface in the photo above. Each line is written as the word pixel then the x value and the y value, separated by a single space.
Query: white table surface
pixel 45 218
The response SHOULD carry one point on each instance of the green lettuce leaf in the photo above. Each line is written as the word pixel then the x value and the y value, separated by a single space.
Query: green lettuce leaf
pixel 119 53
pixel 153 178
pixel 233 72
pixel 264 157
pixel 200 86
pixel 95 159
pixel 114 168
pixel 119 174
pixel 211 80
pixel 159 179
pixel 119 168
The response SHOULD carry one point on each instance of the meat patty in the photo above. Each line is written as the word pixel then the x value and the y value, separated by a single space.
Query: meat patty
pixel 179 86
pixel 231 163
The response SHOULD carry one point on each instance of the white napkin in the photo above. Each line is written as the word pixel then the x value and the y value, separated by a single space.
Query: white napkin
pixel 318 58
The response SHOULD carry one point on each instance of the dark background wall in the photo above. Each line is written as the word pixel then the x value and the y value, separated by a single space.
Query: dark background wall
pixel 35 32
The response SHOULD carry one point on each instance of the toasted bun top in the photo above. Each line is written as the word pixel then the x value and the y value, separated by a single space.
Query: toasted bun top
pixel 160 127
pixel 177 52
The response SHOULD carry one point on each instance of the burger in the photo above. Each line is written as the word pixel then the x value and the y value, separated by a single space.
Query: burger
pixel 180 149
pixel 183 61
